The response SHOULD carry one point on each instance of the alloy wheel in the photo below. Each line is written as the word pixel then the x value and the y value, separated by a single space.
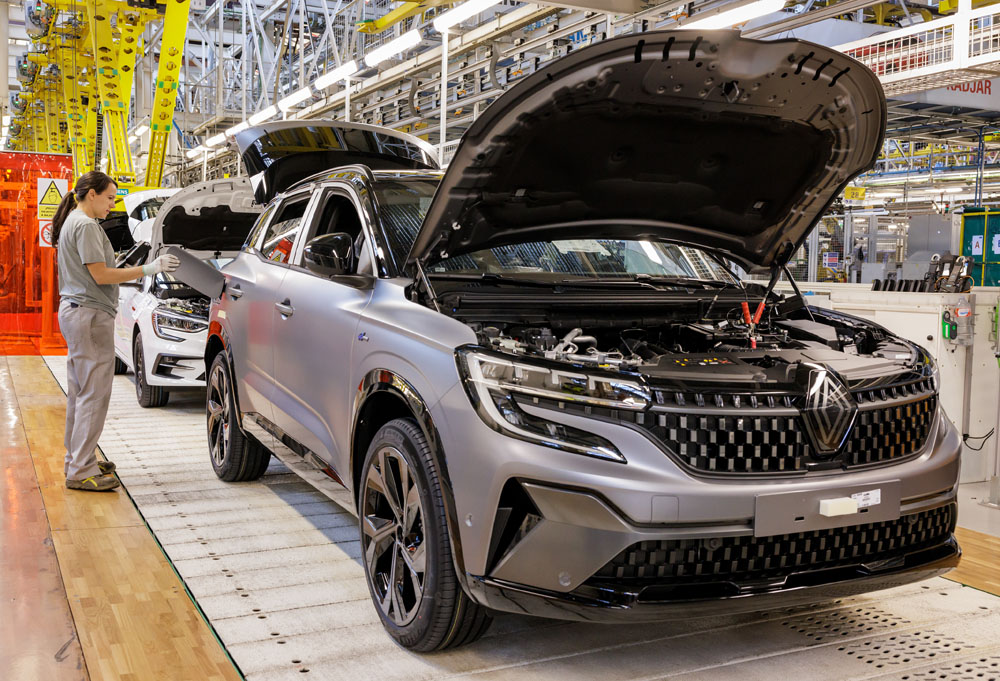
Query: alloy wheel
pixel 218 415
pixel 393 540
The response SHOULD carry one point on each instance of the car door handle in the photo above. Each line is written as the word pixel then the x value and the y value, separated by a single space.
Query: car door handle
pixel 234 291
pixel 285 308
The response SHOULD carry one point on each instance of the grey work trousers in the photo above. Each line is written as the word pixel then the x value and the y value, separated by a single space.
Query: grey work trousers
pixel 90 369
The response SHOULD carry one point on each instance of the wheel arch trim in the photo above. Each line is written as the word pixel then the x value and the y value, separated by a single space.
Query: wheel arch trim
pixel 380 382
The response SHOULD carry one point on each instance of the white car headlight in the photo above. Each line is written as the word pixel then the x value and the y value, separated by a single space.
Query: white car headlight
pixel 494 381
pixel 167 325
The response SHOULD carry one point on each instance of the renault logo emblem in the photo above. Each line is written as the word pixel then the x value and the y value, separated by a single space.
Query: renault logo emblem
pixel 829 411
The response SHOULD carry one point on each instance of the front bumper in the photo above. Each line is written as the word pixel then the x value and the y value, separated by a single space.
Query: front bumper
pixel 607 604
pixel 578 513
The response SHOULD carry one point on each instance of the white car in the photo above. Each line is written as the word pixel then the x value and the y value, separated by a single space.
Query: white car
pixel 161 324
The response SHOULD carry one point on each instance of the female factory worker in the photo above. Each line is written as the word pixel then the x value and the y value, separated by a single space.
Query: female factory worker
pixel 88 287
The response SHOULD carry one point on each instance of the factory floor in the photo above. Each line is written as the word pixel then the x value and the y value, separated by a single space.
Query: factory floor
pixel 180 576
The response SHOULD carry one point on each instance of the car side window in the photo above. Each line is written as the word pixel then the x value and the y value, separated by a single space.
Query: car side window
pixel 252 238
pixel 339 215
pixel 281 234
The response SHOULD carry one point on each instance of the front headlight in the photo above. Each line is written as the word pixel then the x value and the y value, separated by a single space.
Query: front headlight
pixel 494 382
pixel 167 324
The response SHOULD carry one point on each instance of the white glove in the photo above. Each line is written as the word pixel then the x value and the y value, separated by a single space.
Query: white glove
pixel 165 263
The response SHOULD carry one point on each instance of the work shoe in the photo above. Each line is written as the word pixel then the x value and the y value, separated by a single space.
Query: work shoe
pixel 95 483
pixel 106 467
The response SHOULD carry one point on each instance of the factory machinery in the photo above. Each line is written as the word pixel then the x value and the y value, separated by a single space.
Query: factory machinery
pixel 77 77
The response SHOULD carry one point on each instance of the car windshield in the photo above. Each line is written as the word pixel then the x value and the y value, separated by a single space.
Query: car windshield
pixel 150 208
pixel 403 205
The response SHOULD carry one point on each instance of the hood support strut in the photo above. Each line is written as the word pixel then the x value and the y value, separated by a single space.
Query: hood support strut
pixel 431 293
pixel 795 287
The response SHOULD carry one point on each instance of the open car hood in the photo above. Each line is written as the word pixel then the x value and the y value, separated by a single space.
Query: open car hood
pixel 702 137
pixel 277 155
pixel 208 216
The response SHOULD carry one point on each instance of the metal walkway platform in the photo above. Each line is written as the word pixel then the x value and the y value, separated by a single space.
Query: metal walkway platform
pixel 274 566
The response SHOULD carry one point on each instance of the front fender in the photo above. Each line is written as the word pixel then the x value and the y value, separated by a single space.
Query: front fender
pixel 382 381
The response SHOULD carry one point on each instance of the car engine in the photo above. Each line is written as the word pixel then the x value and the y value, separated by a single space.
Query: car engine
pixel 195 307
pixel 652 349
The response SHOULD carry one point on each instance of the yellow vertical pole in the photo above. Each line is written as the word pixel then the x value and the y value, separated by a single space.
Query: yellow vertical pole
pixel 112 99
pixel 131 24
pixel 168 72
pixel 76 113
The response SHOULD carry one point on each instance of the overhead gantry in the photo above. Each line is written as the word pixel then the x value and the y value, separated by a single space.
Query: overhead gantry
pixel 78 77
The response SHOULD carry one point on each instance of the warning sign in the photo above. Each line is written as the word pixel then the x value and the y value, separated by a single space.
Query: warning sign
pixel 50 193
pixel 45 233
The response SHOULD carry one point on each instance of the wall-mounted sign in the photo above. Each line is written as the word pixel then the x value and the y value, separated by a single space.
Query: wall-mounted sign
pixel 978 94
pixel 50 193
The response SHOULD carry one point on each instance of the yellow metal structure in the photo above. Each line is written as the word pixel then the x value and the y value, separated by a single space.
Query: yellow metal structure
pixel 82 88
pixel 168 73
pixel 404 11
pixel 114 102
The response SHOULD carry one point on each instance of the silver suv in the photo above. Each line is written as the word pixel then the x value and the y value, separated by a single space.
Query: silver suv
pixel 537 373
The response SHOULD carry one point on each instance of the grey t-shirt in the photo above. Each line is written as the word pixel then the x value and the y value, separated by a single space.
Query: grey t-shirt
pixel 83 241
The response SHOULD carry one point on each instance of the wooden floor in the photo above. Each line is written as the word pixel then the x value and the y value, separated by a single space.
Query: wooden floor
pixel 980 566
pixel 133 619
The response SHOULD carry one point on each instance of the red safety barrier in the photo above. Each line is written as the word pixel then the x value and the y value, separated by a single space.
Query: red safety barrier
pixel 29 293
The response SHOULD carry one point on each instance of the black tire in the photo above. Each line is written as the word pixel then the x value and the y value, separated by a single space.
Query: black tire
pixel 121 367
pixel 235 456
pixel 147 395
pixel 407 537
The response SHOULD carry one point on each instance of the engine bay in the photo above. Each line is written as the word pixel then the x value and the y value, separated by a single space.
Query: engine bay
pixel 197 306
pixel 722 346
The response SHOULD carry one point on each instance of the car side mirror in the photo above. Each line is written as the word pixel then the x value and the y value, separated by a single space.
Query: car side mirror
pixel 330 255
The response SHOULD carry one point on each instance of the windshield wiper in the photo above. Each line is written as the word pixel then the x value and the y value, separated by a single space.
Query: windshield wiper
pixel 657 282
pixel 648 281
pixel 489 277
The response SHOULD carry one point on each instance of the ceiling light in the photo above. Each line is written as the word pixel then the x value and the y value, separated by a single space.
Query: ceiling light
pixel 262 116
pixel 725 18
pixel 393 47
pixel 140 130
pixel 296 97
pixel 215 140
pixel 466 10
pixel 194 152
pixel 337 75
pixel 236 129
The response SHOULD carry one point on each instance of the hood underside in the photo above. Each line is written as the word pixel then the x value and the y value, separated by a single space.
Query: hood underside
pixel 277 155
pixel 705 138
pixel 209 216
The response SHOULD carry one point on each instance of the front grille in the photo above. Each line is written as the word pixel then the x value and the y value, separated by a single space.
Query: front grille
pixel 734 444
pixel 888 433
pixel 752 441
pixel 748 558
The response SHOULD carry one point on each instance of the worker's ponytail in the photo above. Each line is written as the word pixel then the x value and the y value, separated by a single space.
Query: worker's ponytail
pixel 66 207
pixel 95 180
